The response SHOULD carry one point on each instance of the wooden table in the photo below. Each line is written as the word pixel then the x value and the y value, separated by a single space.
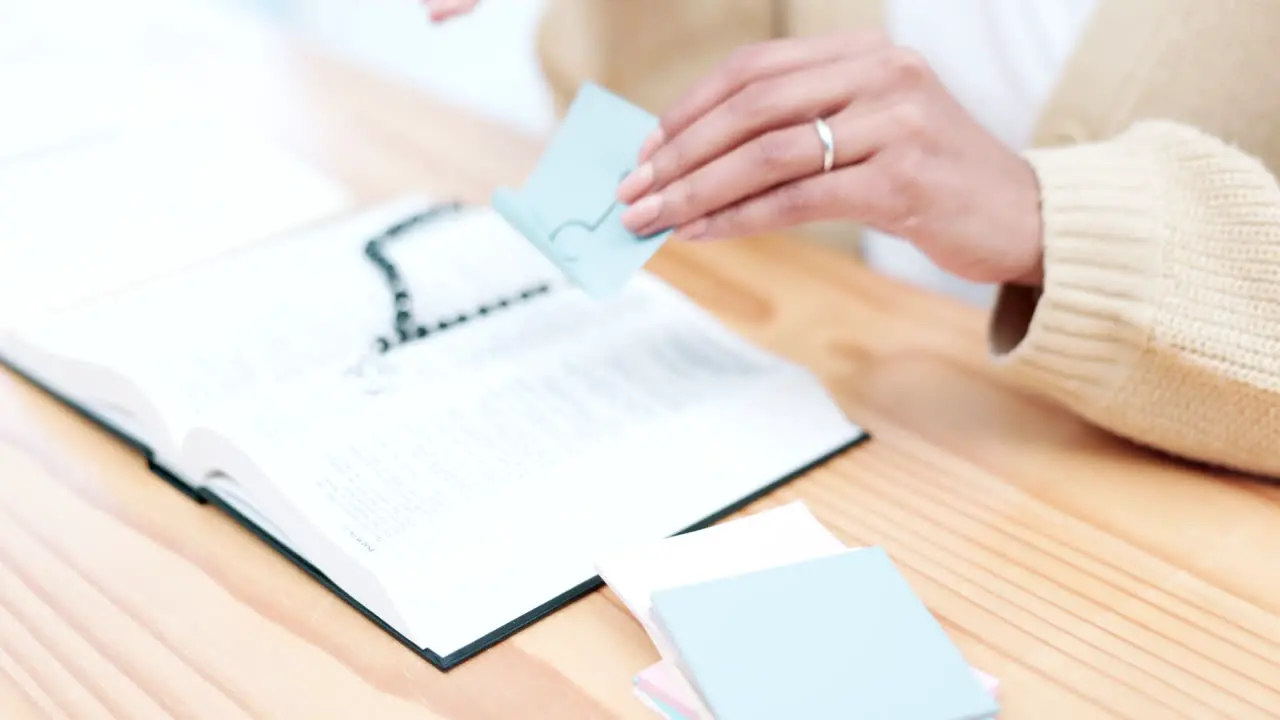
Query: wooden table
pixel 1092 578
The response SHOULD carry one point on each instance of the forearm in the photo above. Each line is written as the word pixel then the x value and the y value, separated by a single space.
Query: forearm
pixel 1159 313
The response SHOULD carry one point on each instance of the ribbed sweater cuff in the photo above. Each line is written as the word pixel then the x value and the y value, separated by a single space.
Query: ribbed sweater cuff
pixel 1079 336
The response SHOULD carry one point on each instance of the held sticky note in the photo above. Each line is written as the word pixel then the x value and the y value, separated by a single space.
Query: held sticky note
pixel 568 207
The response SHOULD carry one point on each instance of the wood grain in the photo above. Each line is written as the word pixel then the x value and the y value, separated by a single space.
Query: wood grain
pixel 1093 578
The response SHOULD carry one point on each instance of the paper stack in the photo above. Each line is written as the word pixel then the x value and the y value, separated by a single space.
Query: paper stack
pixel 772 616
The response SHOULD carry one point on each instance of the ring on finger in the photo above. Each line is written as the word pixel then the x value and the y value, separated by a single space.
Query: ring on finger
pixel 828 144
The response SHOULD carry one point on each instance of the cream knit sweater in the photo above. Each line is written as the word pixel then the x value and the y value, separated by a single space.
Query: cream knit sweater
pixel 1159 315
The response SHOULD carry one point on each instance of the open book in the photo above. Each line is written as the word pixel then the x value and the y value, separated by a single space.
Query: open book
pixel 459 486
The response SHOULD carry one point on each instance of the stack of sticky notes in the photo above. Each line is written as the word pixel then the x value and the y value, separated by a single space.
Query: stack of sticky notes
pixel 771 616
pixel 568 207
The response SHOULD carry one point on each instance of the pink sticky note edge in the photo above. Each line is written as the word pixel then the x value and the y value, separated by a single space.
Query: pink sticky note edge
pixel 988 681
pixel 648 701
pixel 660 681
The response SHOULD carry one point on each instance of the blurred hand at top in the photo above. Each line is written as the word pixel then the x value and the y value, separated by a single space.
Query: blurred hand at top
pixel 740 154
pixel 442 10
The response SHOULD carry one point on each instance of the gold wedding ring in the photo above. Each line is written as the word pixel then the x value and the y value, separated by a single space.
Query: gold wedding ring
pixel 828 144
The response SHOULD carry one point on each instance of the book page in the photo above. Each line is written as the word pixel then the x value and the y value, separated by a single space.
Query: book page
pixel 487 473
pixel 89 101
pixel 104 206
pixel 197 340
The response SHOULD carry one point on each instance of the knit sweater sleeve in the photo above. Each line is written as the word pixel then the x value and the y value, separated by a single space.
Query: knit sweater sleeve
pixel 1159 315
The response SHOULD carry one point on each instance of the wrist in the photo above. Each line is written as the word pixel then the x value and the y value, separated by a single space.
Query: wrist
pixel 1033 275
pixel 1027 237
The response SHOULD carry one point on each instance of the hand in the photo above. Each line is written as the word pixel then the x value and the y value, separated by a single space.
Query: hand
pixel 740 155
pixel 442 10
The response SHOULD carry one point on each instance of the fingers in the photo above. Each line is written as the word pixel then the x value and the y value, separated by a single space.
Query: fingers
pixel 847 193
pixel 752 64
pixel 880 193
pixel 777 102
pixel 768 161
pixel 812 199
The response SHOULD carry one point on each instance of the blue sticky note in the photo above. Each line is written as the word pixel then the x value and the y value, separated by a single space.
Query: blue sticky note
pixel 568 206
pixel 841 636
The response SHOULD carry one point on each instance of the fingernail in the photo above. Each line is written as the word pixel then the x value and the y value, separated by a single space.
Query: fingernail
pixel 651 143
pixel 642 214
pixel 693 231
pixel 636 184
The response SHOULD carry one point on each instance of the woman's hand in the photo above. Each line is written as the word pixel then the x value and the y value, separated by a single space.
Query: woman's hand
pixel 442 10
pixel 740 154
